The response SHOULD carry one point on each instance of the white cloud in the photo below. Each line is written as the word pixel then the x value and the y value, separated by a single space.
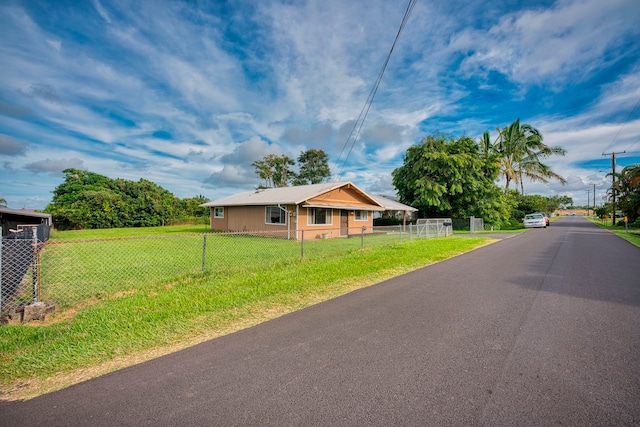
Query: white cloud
pixel 54 167
pixel 229 176
pixel 10 146
pixel 566 41
pixel 233 84
pixel 103 14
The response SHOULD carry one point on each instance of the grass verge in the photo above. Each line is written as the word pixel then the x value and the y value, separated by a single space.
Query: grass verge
pixel 632 235
pixel 97 336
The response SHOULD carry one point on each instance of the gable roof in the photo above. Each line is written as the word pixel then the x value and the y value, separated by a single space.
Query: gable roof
pixel 288 196
pixel 392 205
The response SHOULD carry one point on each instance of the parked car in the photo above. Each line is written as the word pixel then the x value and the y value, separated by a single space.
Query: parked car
pixel 535 220
pixel 546 218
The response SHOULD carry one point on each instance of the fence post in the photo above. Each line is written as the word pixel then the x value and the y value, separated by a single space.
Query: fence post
pixel 35 277
pixel 302 245
pixel 204 251
pixel 1 244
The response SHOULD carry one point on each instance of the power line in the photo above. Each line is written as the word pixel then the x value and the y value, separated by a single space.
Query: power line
pixel 621 127
pixel 357 126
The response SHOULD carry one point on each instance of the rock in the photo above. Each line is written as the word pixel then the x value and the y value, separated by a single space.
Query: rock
pixel 34 311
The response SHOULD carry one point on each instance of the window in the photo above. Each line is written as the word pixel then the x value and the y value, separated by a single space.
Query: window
pixel 361 215
pixel 275 215
pixel 319 216
pixel 218 212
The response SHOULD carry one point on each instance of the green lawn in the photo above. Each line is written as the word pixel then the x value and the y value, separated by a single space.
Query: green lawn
pixel 112 323
pixel 111 233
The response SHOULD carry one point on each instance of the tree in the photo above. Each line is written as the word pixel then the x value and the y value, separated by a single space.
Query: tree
pixel 314 167
pixel 3 201
pixel 274 170
pixel 563 201
pixel 442 176
pixel 520 152
pixel 192 207
pixel 89 200
pixel 603 211
pixel 628 192
pixel 535 203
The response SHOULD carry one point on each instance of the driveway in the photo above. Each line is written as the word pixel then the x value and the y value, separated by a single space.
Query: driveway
pixel 542 328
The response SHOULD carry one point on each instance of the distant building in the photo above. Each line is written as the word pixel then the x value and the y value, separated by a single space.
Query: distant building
pixel 13 220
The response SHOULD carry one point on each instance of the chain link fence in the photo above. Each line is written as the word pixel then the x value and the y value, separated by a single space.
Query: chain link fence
pixel 68 273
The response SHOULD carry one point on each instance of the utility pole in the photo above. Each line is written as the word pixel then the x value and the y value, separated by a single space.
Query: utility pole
pixel 613 184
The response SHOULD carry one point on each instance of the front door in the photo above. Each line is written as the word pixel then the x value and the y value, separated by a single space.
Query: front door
pixel 344 223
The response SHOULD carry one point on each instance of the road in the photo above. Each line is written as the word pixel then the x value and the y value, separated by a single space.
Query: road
pixel 538 329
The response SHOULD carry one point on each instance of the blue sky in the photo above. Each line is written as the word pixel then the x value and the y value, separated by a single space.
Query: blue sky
pixel 189 94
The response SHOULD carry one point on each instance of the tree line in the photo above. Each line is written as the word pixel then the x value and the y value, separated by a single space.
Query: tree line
pixel 628 190
pixel 89 200
pixel 457 177
pixel 445 176
pixel 626 186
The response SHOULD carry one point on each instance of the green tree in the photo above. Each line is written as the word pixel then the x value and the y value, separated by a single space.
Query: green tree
pixel 603 211
pixel 520 153
pixel 628 192
pixel 314 167
pixel 89 200
pixel 192 207
pixel 563 201
pixel 443 176
pixel 3 201
pixel 274 170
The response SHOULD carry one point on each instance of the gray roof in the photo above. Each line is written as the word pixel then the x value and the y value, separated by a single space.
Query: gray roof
pixel 392 205
pixel 24 212
pixel 283 195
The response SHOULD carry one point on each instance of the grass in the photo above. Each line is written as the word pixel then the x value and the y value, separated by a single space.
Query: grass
pixel 110 233
pixel 108 330
pixel 632 235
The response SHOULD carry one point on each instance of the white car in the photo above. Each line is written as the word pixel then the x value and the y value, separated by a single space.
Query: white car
pixel 546 218
pixel 535 220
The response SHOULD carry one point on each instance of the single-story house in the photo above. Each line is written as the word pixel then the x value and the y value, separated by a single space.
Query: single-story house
pixel 317 210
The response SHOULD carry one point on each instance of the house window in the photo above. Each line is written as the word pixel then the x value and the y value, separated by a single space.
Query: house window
pixel 319 216
pixel 218 212
pixel 361 215
pixel 275 215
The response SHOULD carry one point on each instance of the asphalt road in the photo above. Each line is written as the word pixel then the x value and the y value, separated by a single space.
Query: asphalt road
pixel 538 329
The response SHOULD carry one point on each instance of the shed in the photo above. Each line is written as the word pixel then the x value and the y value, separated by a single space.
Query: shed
pixel 13 220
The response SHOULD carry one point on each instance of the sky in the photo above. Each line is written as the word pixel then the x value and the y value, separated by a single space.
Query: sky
pixel 189 94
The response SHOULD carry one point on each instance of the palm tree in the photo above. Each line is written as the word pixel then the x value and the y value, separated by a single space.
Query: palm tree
pixel 489 155
pixel 520 153
pixel 628 189
pixel 3 201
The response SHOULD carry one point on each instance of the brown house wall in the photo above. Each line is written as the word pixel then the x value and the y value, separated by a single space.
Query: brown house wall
pixel 219 223
pixel 252 218
pixel 312 231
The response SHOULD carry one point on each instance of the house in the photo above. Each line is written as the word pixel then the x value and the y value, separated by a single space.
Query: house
pixel 313 211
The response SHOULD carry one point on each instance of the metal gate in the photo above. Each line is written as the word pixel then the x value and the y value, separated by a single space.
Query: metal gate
pixel 434 227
